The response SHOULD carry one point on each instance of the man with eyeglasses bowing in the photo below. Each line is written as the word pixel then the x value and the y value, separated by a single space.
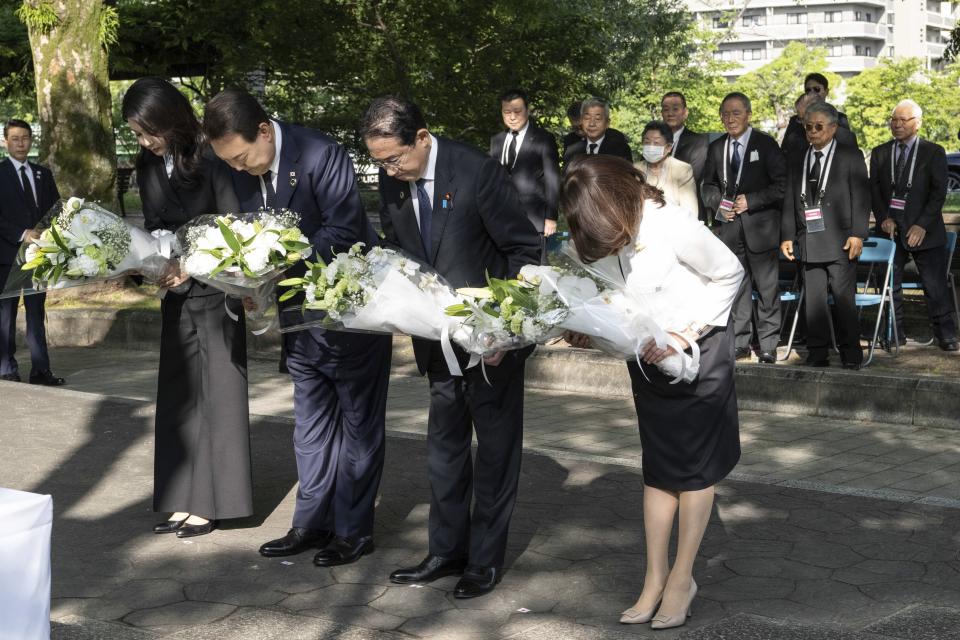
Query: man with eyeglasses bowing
pixel 743 185
pixel 826 214
pixel 908 184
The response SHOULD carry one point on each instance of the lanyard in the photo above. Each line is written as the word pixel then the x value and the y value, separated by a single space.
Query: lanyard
pixel 824 172
pixel 913 165
pixel 726 162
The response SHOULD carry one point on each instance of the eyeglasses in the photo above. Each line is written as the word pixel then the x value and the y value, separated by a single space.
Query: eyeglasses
pixel 730 115
pixel 814 126
pixel 391 163
pixel 901 121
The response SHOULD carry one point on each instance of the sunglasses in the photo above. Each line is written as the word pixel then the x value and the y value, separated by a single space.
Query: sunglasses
pixel 814 126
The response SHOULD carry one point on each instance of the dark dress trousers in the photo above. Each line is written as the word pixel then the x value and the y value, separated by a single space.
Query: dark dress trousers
pixel 795 137
pixel 925 198
pixel 827 268
pixel 17 215
pixel 691 147
pixel 202 442
pixel 754 236
pixel 339 379
pixel 614 144
pixel 482 230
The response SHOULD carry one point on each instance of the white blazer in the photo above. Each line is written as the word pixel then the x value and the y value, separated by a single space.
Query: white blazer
pixel 680 270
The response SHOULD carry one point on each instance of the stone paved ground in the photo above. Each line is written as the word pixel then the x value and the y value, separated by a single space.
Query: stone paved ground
pixel 782 559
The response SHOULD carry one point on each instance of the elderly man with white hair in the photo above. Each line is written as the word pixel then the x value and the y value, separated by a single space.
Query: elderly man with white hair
pixel 908 182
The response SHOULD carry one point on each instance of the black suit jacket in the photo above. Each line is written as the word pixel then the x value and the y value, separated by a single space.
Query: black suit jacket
pixel 925 199
pixel 535 173
pixel 763 183
pixel 614 144
pixel 15 214
pixel 482 230
pixel 692 149
pixel 795 137
pixel 170 202
pixel 845 206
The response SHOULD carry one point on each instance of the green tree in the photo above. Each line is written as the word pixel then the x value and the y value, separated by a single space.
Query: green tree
pixel 68 40
pixel 774 88
pixel 873 94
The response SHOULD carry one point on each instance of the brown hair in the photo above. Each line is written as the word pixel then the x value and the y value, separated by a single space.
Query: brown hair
pixel 602 198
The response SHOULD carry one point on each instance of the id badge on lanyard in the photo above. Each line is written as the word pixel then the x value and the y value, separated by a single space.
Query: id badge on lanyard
pixel 898 204
pixel 813 214
pixel 726 204
pixel 814 219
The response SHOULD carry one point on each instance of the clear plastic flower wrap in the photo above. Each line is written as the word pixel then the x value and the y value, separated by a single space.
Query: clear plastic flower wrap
pixel 82 243
pixel 244 255
pixel 380 291
pixel 617 318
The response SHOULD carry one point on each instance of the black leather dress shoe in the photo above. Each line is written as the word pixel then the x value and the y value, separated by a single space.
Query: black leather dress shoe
pixel 296 541
pixel 767 358
pixel 10 377
pixel 193 530
pixel 46 377
pixel 343 551
pixel 950 345
pixel 170 526
pixel 741 353
pixel 432 568
pixel 853 366
pixel 477 581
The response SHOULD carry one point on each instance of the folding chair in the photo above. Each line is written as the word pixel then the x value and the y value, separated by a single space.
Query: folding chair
pixel 950 247
pixel 877 251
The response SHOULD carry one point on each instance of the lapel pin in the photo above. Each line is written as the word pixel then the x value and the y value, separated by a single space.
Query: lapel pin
pixel 403 194
pixel 293 178
pixel 447 202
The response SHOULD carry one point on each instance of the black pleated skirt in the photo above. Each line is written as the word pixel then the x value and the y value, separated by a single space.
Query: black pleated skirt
pixel 690 433
pixel 202 452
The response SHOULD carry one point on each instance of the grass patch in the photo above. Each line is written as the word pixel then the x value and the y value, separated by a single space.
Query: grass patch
pixel 952 205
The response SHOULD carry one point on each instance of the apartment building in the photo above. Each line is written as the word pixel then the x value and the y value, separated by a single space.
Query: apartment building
pixel 855 33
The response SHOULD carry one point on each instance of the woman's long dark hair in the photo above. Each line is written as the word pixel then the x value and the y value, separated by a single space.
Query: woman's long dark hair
pixel 602 199
pixel 161 110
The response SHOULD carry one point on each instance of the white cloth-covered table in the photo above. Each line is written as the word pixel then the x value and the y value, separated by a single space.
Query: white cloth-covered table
pixel 26 520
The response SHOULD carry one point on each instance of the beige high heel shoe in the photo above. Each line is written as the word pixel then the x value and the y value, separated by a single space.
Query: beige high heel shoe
pixel 635 616
pixel 661 621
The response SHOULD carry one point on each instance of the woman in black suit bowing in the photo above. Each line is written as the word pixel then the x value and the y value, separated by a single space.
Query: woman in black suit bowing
pixel 202 455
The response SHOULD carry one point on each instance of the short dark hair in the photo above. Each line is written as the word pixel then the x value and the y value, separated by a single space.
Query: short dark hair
pixel 819 78
pixel 573 111
pixel 392 117
pixel 736 95
pixel 661 128
pixel 826 109
pixel 16 123
pixel 675 94
pixel 233 111
pixel 513 94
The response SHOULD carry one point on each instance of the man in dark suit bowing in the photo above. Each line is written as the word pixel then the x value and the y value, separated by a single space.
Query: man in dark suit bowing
pixel 598 136
pixel 908 184
pixel 27 192
pixel 826 214
pixel 529 154
pixel 743 185
pixel 340 379
pixel 456 209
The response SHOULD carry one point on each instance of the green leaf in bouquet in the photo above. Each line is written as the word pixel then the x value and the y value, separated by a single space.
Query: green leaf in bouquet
pixel 458 310
pixel 33 264
pixel 227 262
pixel 228 235
pixel 289 293
pixel 58 239
pixel 292 282
pixel 257 227
pixel 55 274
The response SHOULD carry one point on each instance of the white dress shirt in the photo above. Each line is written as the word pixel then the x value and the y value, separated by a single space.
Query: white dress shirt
pixel 744 140
pixel 275 165
pixel 676 138
pixel 168 164
pixel 681 271
pixel 33 184
pixel 598 142
pixel 428 179
pixel 506 144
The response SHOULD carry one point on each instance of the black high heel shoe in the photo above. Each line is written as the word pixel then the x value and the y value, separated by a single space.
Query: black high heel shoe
pixel 169 526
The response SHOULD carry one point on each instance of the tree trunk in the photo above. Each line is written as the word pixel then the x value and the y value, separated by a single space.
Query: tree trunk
pixel 73 100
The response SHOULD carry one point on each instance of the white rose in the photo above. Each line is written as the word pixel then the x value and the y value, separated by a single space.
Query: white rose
pixel 32 250
pixel 311 293
pixel 85 265
pixel 200 264
pixel 244 230
pixel 212 238
pixel 257 260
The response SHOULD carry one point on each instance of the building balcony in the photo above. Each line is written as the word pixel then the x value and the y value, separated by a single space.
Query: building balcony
pixel 811 31
pixel 729 5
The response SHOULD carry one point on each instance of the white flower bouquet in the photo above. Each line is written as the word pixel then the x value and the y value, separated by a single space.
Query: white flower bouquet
pixel 510 314
pixel 81 243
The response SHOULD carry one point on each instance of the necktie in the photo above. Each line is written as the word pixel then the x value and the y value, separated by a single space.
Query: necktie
pixel 901 161
pixel 271 193
pixel 593 149
pixel 426 218
pixel 813 179
pixel 735 160
pixel 27 189
pixel 512 150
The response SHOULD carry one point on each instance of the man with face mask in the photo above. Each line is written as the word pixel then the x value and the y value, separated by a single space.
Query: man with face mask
pixel 665 172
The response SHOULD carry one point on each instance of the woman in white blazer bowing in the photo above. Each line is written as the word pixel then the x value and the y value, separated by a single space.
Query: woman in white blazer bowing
pixel 673 177
pixel 689 431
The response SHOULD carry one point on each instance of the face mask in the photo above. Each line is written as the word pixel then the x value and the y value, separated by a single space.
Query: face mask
pixel 653 153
